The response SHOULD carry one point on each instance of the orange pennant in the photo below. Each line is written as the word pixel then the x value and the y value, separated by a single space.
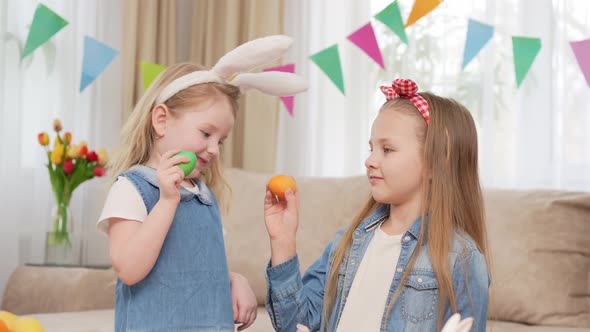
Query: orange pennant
pixel 421 8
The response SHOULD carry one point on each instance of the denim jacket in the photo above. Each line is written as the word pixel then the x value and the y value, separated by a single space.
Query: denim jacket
pixel 293 300
pixel 188 288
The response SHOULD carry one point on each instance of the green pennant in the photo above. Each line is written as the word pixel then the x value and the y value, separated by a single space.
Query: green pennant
pixel 46 23
pixel 329 62
pixel 525 51
pixel 149 72
pixel 391 16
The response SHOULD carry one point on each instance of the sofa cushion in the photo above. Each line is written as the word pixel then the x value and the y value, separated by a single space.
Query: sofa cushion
pixel 327 205
pixel 540 245
pixel 33 289
pixel 499 326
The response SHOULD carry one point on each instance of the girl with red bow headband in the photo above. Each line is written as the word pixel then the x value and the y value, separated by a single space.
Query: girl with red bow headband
pixel 416 253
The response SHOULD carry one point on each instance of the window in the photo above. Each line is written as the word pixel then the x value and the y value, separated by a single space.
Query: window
pixel 535 136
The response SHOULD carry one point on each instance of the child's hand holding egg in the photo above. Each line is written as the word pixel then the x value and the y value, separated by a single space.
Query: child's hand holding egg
pixel 278 184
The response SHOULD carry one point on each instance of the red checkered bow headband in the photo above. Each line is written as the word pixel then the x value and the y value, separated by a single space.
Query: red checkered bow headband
pixel 406 88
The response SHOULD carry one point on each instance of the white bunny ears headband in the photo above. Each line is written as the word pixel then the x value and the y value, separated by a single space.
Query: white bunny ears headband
pixel 232 68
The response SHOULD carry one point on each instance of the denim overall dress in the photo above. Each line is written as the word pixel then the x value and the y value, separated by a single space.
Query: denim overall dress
pixel 188 288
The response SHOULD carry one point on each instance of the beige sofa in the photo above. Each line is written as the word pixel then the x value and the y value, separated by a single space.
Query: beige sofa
pixel 540 244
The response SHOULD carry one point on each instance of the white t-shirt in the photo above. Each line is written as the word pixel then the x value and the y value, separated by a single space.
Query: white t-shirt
pixel 124 201
pixel 363 310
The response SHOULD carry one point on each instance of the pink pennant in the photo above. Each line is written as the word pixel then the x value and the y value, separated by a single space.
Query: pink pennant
pixel 582 51
pixel 288 101
pixel 290 68
pixel 365 39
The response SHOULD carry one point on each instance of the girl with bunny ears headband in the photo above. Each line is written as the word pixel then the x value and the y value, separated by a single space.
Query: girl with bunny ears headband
pixel 164 229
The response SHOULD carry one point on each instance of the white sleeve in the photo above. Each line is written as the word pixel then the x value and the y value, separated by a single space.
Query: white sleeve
pixel 123 201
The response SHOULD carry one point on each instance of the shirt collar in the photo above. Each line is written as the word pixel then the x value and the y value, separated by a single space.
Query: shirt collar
pixel 149 174
pixel 380 214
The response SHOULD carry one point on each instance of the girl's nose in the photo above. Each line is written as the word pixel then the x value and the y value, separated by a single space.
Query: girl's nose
pixel 213 149
pixel 370 162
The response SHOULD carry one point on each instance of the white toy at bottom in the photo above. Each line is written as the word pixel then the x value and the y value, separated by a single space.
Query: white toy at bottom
pixel 455 324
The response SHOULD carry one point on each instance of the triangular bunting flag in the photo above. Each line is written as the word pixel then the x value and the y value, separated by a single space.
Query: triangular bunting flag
pixel 421 8
pixel 46 23
pixel 525 50
pixel 97 56
pixel 288 101
pixel 329 62
pixel 582 51
pixel 149 72
pixel 478 34
pixel 365 39
pixel 391 16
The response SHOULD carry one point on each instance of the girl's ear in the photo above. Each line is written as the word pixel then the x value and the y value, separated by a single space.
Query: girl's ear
pixel 160 115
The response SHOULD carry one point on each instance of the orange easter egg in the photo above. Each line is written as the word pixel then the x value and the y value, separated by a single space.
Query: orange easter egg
pixel 278 184
pixel 3 327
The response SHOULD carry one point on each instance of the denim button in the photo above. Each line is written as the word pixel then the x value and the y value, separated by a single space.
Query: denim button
pixel 420 280
pixel 406 239
pixel 399 269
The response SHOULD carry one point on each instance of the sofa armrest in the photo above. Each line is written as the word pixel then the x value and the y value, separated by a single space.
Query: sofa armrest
pixel 42 289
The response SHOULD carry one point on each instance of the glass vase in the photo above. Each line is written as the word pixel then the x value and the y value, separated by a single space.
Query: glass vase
pixel 62 246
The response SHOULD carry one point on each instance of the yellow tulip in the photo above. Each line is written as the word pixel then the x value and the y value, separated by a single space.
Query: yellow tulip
pixel 103 157
pixel 73 151
pixel 57 154
pixel 61 149
pixel 43 138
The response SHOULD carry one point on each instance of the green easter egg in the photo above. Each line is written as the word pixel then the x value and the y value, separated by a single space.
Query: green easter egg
pixel 187 168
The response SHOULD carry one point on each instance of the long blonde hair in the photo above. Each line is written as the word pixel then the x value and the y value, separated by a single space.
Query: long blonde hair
pixel 138 134
pixel 452 197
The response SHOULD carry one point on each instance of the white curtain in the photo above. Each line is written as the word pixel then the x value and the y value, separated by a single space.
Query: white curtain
pixel 535 136
pixel 323 138
pixel 33 92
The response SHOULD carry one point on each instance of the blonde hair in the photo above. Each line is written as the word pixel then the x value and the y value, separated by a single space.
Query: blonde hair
pixel 138 135
pixel 452 197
